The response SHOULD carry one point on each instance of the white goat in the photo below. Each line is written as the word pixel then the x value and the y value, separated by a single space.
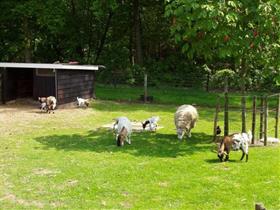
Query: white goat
pixel 123 130
pixel 185 119
pixel 82 102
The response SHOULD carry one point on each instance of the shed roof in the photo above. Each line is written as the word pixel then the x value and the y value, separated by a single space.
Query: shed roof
pixel 50 66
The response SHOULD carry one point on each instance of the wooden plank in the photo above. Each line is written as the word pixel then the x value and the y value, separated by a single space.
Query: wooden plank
pixel 265 120
pixel 261 117
pixel 72 81
pixel 243 104
pixel 277 117
pixel 254 110
pixel 226 127
pixel 4 82
pixel 88 84
pixel 43 86
pixel 73 94
pixel 216 118
pixel 80 75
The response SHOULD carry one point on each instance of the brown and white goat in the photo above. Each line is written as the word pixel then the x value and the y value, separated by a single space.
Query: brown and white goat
pixel 235 141
pixel 123 129
pixel 48 103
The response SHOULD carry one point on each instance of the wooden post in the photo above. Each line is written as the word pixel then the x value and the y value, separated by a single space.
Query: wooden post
pixel 265 120
pixel 226 115
pixel 145 87
pixel 277 117
pixel 253 119
pixel 261 117
pixel 243 104
pixel 3 85
pixel 216 118
pixel 259 206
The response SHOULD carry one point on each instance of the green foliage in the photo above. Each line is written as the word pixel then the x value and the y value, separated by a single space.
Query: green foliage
pixel 246 32
pixel 178 37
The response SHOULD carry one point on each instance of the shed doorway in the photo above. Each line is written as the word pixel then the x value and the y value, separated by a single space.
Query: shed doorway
pixel 19 84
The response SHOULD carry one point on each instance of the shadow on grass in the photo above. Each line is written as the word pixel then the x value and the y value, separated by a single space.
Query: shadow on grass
pixel 143 144
pixel 218 161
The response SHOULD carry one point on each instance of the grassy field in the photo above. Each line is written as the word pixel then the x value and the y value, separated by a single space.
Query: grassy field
pixel 67 160
pixel 177 96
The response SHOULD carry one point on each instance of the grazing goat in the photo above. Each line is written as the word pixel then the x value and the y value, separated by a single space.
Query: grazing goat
pixel 152 123
pixel 185 119
pixel 236 141
pixel 82 102
pixel 123 129
pixel 47 103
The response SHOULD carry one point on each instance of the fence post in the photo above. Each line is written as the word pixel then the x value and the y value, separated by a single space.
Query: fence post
pixel 261 117
pixel 226 115
pixel 265 120
pixel 145 87
pixel 254 120
pixel 277 117
pixel 259 206
pixel 216 118
pixel 243 104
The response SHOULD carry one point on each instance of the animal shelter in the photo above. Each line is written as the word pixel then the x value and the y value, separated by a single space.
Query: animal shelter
pixel 33 80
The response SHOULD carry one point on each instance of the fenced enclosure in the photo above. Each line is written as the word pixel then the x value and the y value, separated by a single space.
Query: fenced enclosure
pixel 267 107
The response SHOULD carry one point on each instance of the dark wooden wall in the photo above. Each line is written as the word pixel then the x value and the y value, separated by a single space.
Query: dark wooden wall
pixel 74 83
pixel 1 93
pixel 43 86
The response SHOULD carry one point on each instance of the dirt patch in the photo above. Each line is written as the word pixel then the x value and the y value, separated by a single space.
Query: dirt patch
pixel 136 126
pixel 12 198
pixel 45 172
pixel 18 117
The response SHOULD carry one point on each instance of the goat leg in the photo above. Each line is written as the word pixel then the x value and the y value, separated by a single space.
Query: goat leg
pixel 227 157
pixel 243 153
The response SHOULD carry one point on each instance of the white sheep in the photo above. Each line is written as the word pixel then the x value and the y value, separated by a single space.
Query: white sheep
pixel 185 119
pixel 123 128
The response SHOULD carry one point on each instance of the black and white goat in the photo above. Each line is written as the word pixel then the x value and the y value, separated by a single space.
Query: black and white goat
pixel 235 141
pixel 152 122
pixel 123 129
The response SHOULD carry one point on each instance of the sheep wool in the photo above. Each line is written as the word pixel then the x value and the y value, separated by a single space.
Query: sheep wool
pixel 185 119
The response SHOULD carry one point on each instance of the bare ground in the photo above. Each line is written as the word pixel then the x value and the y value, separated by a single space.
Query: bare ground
pixel 22 115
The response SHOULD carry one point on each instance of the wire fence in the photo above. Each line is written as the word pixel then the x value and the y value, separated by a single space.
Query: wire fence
pixel 263 106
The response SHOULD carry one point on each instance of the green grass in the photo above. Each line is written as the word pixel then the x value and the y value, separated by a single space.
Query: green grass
pixel 69 162
pixel 177 96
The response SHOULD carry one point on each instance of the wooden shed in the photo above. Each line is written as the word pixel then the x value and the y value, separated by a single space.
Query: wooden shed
pixel 64 81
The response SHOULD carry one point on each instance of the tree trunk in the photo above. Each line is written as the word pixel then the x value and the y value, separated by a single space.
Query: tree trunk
pixel 138 40
pixel 137 31
pixel 27 41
